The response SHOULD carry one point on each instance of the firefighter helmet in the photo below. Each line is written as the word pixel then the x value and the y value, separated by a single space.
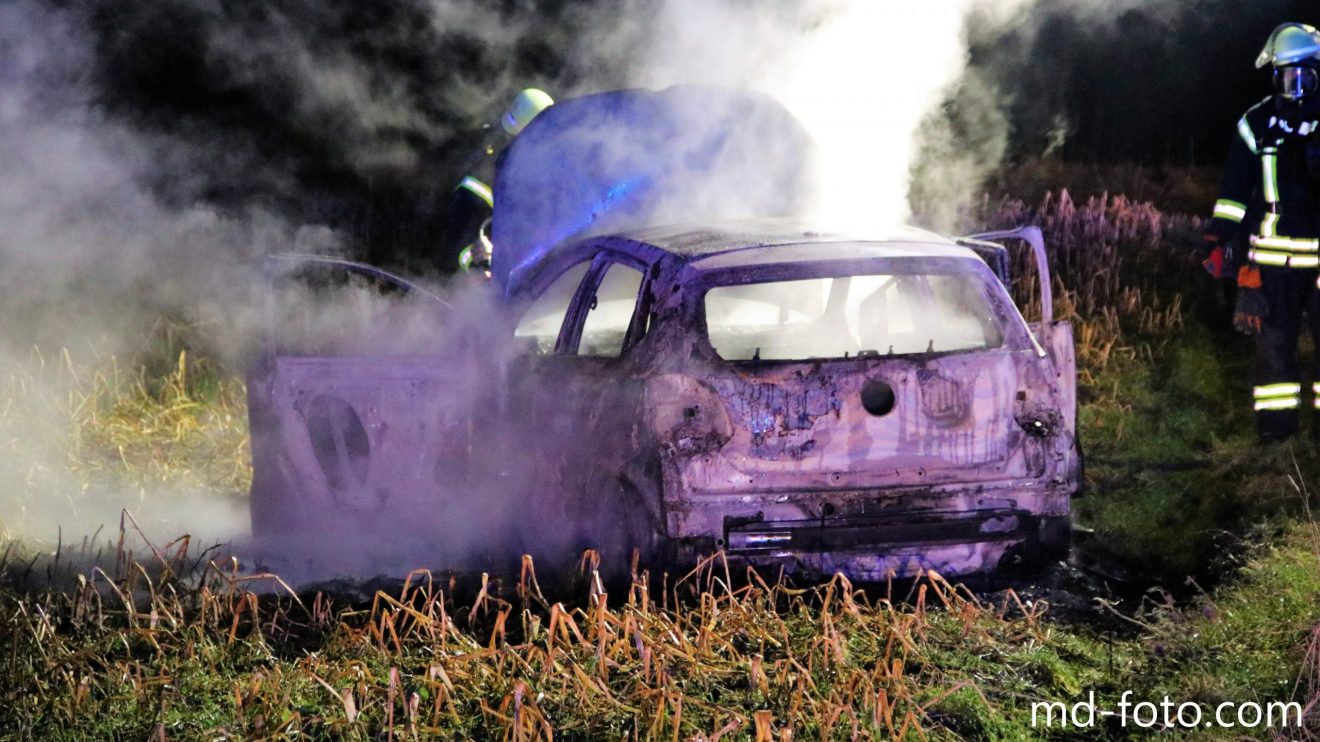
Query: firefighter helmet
pixel 524 108
pixel 1289 44
pixel 1294 51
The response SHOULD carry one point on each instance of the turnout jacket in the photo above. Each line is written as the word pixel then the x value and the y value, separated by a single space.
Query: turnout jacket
pixel 1268 186
pixel 471 206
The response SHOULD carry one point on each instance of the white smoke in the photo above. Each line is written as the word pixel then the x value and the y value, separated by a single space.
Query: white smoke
pixel 90 259
pixel 861 75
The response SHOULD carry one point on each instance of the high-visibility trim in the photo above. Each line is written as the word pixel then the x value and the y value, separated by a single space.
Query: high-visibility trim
pixel 1315 388
pixel 1268 391
pixel 1269 162
pixel 1282 396
pixel 483 191
pixel 1248 136
pixel 1283 258
pixel 1290 244
pixel 1230 210
pixel 1269 226
pixel 1268 257
pixel 1265 257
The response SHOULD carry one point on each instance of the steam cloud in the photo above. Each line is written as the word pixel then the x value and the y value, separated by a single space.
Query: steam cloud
pixel 861 76
pixel 149 151
pixel 89 259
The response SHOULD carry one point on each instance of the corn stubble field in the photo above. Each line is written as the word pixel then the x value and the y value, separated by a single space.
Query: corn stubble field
pixel 172 641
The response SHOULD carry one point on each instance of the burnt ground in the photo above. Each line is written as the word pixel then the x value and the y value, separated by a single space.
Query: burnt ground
pixel 1090 591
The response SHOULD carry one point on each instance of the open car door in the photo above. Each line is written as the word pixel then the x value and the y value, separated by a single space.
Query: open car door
pixel 353 408
pixel 1055 337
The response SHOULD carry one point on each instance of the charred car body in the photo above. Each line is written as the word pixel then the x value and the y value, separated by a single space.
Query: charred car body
pixel 868 406
pixel 873 405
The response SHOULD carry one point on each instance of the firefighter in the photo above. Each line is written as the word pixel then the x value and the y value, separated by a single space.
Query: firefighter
pixel 466 241
pixel 1270 193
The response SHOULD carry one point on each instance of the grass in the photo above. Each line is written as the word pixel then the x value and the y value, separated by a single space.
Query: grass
pixel 79 436
pixel 159 652
pixel 168 642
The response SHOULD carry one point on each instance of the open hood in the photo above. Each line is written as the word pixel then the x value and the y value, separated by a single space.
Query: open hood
pixel 629 159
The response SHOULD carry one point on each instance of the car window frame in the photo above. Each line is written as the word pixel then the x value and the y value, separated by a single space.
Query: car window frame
pixel 1017 334
pixel 570 333
pixel 547 283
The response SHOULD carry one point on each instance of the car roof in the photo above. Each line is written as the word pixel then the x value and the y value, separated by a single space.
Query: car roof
pixel 702 247
pixel 762 242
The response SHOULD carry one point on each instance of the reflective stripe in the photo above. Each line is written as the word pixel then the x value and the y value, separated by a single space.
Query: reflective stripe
pixel 1285 389
pixel 1284 251
pixel 1269 225
pixel 1315 389
pixel 1244 130
pixel 1265 257
pixel 483 192
pixel 1282 396
pixel 1269 163
pixel 1286 243
pixel 1289 260
pixel 1230 210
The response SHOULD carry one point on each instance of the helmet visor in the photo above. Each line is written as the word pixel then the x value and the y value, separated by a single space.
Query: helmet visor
pixel 1296 83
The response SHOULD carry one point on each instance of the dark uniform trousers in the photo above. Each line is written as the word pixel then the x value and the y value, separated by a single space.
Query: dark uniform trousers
pixel 1293 299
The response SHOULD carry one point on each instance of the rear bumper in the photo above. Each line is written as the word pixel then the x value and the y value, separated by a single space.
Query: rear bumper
pixel 879 534
pixel 874 532
pixel 875 549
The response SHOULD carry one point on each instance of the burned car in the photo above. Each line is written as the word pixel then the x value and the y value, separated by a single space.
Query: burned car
pixel 823 402
pixel 869 406
pixel 794 396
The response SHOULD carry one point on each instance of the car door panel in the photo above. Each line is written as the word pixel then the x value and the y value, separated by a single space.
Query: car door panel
pixel 351 432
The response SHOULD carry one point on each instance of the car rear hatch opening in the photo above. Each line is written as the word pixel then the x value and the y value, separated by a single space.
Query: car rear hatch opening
pixel 900 372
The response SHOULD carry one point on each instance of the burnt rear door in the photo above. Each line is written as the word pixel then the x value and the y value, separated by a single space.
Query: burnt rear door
pixel 574 384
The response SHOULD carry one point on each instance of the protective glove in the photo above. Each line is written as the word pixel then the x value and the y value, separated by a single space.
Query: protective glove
pixel 1251 308
pixel 1216 260
pixel 1248 277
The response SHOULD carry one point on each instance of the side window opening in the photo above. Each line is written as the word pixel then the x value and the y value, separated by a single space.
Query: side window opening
pixel 610 312
pixel 540 324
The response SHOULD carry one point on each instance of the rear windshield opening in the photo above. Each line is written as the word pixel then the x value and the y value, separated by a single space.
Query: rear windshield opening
pixel 873 315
